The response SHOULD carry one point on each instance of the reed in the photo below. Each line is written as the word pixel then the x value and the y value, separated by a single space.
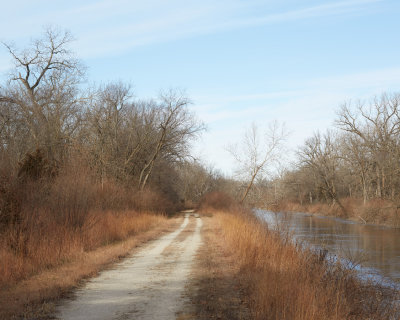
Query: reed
pixel 40 242
pixel 285 281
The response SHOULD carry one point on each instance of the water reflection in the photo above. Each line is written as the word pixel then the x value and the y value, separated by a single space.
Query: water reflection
pixel 376 249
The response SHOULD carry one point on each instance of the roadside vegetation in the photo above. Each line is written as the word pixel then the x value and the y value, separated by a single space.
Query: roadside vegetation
pixel 284 281
pixel 83 167
pixel 61 221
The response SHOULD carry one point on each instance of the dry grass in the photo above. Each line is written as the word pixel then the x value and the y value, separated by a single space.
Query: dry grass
pixel 41 243
pixel 376 211
pixel 214 290
pixel 34 297
pixel 47 222
pixel 284 282
pixel 56 226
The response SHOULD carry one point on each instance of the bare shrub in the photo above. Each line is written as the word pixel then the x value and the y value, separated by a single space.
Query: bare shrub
pixel 217 200
pixel 46 223
pixel 35 166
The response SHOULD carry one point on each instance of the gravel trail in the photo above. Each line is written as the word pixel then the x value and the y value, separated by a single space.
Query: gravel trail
pixel 148 285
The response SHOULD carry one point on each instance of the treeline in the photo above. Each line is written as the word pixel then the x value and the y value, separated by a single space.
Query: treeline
pixel 50 123
pixel 354 167
pixel 80 165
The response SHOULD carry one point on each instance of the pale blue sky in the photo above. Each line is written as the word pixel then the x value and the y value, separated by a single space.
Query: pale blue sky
pixel 239 61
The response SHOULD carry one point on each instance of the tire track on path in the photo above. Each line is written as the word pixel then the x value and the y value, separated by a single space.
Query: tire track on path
pixel 148 285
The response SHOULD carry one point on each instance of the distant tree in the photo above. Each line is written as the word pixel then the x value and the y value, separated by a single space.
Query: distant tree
pixel 175 128
pixel 376 128
pixel 195 180
pixel 321 154
pixel 257 152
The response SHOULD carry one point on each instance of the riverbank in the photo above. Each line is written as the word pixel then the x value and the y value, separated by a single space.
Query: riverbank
pixel 377 211
pixel 281 281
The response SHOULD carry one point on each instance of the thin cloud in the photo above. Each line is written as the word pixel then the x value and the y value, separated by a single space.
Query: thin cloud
pixel 314 96
pixel 373 79
pixel 109 28
pixel 330 9
pixel 191 20
pixel 112 27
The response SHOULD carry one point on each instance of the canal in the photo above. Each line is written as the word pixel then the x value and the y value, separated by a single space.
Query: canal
pixel 373 250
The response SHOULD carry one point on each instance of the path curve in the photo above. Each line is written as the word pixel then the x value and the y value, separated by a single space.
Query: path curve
pixel 148 285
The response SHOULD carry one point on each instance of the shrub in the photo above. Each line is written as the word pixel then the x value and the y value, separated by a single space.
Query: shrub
pixel 218 200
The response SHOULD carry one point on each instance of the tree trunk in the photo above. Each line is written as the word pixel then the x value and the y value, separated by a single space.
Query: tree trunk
pixel 249 185
pixel 378 183
pixel 365 192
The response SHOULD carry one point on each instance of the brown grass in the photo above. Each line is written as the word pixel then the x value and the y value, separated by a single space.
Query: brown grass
pixel 375 211
pixel 285 282
pixel 217 201
pixel 55 224
pixel 214 290
pixel 47 222
pixel 41 243
pixel 34 297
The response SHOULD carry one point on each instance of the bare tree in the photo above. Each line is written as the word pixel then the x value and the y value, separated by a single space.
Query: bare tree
pixel 195 181
pixel 43 89
pixel 377 126
pixel 320 153
pixel 356 155
pixel 106 124
pixel 176 127
pixel 257 152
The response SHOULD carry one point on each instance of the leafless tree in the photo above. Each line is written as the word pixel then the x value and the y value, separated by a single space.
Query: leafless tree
pixel 107 120
pixel 257 153
pixel 357 157
pixel 43 91
pixel 195 180
pixel 176 127
pixel 376 125
pixel 320 154
pixel 50 125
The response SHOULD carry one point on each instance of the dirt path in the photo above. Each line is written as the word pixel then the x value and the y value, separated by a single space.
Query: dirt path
pixel 148 285
pixel 216 289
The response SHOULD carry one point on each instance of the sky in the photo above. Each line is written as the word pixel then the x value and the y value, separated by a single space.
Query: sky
pixel 239 61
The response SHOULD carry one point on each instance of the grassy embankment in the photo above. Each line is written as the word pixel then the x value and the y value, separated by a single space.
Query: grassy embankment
pixel 284 282
pixel 54 234
pixel 377 211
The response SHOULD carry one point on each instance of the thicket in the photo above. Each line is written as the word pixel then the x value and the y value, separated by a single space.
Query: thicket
pixel 81 165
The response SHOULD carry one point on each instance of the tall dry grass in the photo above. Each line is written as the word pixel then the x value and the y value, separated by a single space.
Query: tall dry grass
pixel 287 282
pixel 47 222
pixel 41 243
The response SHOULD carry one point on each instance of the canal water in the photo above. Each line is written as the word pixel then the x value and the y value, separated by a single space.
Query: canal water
pixel 373 250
